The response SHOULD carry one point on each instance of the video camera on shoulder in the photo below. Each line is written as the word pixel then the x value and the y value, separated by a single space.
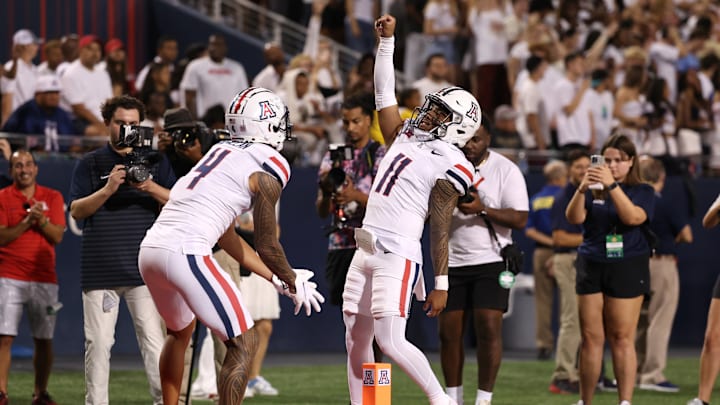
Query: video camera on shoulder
pixel 184 138
pixel 135 136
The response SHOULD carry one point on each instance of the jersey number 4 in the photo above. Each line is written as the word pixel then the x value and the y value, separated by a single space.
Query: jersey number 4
pixel 391 174
pixel 207 166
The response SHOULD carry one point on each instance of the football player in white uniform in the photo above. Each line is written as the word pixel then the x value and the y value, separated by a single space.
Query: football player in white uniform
pixel 422 174
pixel 176 259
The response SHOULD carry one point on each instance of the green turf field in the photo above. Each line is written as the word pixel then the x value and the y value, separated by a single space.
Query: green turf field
pixel 519 383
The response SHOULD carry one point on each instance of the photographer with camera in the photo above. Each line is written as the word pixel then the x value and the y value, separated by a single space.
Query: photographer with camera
pixel 345 176
pixel 118 191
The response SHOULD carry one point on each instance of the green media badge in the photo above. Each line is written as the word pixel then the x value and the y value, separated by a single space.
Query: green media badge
pixel 614 246
pixel 506 279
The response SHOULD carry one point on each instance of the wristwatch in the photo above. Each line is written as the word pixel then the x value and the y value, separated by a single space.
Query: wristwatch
pixel 613 186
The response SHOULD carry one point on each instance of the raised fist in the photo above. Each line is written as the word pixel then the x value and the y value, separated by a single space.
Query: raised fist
pixel 385 26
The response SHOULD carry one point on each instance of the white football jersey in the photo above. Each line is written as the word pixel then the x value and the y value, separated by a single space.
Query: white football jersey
pixel 399 197
pixel 204 202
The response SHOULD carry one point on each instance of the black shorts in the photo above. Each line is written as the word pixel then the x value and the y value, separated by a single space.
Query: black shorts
pixel 477 287
pixel 626 278
pixel 338 263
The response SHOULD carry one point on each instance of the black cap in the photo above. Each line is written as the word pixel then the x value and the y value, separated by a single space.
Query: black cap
pixel 178 118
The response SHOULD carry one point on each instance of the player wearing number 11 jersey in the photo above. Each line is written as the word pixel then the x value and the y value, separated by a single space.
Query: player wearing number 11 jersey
pixel 176 259
pixel 422 175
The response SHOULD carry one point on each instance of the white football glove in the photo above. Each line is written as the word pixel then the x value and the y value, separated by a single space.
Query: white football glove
pixel 306 294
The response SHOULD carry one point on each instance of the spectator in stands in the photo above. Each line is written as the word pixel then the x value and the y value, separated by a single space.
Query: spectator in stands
pixel 272 73
pixel 539 229
pixel 85 88
pixel 708 65
pixel 70 51
pixel 32 223
pixel 630 103
pixel 117 210
pixel 52 50
pixel 359 19
pixel 505 133
pixel 360 77
pixel 693 111
pixel 116 65
pixel 157 81
pixel 486 20
pixel 167 53
pixel 326 72
pixel 710 357
pixel 304 104
pixel 21 88
pixel 601 100
pixel 573 115
pixel 664 54
pixel 34 116
pixel 671 226
pixel 436 75
pixel 566 238
pixel 612 264
pixel 534 123
pixel 477 289
pixel 660 114
pixel 212 79
pixel 156 106
pixel 440 27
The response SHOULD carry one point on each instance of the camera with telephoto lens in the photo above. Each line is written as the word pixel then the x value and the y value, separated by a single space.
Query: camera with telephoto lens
pixel 335 181
pixel 184 138
pixel 138 161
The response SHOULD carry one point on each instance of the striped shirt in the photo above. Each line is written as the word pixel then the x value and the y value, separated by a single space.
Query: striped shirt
pixel 112 235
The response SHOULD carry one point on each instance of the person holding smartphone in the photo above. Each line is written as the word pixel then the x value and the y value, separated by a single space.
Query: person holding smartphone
pixel 612 264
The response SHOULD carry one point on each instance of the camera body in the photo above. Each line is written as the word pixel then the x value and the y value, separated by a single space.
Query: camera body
pixel 340 152
pixel 183 138
pixel 142 157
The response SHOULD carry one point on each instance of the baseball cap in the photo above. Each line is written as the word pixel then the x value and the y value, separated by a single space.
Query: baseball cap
pixel 86 40
pixel 47 84
pixel 505 113
pixel 113 45
pixel 25 37
pixel 178 118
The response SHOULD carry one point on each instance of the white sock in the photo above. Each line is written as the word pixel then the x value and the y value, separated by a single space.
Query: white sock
pixel 625 403
pixel 483 396
pixel 390 335
pixel 358 342
pixel 456 393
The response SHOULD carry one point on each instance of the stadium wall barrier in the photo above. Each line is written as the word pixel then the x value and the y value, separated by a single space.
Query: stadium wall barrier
pixel 303 236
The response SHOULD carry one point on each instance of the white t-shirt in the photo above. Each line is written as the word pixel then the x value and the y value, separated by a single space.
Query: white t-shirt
pixel 397 206
pixel 267 78
pixel 665 56
pixel 216 190
pixel 441 16
pixel 426 86
pixel 574 128
pixel 214 83
pixel 81 85
pixel 22 86
pixel 530 101
pixel 602 105
pixel 500 185
pixel 491 47
pixel 707 85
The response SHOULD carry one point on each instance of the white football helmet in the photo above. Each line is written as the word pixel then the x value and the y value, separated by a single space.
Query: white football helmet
pixel 455 115
pixel 258 115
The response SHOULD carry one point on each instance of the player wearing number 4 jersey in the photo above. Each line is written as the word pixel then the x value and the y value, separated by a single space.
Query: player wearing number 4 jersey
pixel 176 259
pixel 422 175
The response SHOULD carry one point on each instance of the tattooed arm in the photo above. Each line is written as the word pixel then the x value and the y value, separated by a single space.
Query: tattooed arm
pixel 443 199
pixel 267 190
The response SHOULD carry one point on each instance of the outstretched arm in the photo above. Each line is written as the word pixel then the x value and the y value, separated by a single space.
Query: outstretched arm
pixel 267 192
pixel 384 76
pixel 443 199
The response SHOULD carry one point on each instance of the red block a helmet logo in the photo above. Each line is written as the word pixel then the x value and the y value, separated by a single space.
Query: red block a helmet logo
pixel 266 110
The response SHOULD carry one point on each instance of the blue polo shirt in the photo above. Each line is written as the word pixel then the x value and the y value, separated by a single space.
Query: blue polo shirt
pixel 112 235
pixel 540 208
pixel 29 118
pixel 667 223
pixel 558 220
pixel 602 220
